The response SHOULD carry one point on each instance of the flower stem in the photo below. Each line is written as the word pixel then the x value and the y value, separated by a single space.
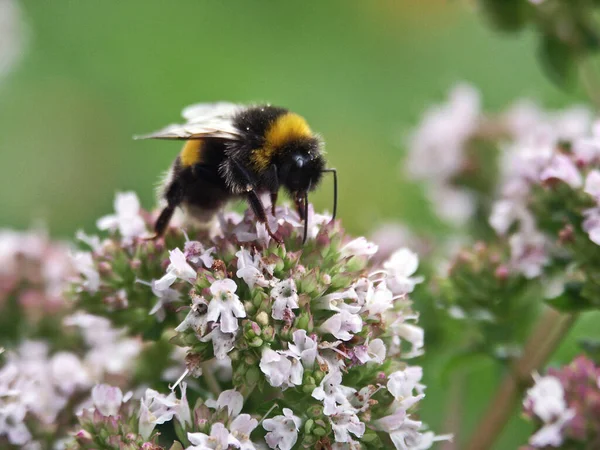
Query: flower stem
pixel 210 379
pixel 454 413
pixel 545 338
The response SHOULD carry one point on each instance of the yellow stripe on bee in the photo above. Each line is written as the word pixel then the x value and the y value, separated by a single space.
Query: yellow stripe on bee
pixel 283 130
pixel 191 153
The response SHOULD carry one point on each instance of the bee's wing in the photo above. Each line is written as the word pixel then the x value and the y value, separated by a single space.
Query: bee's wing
pixel 204 120
pixel 201 112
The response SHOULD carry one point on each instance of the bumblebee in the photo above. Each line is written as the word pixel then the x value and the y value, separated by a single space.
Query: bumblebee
pixel 234 151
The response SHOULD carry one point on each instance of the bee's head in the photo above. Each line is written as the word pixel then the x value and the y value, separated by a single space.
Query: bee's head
pixel 302 166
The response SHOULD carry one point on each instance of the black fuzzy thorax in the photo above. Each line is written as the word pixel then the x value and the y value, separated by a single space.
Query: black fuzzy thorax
pixel 253 124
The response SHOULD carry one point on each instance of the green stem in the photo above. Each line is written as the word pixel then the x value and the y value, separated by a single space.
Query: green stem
pixel 454 413
pixel 545 338
pixel 210 379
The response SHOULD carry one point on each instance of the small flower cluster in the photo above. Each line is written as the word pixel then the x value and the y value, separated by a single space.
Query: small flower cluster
pixel 33 273
pixel 115 274
pixel 310 324
pixel 480 288
pixel 437 152
pixel 113 420
pixel 549 210
pixel 565 404
pixel 39 385
pixel 459 150
pixel 317 329
pixel 51 356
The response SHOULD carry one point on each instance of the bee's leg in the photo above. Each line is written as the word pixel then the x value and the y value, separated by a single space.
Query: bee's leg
pixel 274 188
pixel 174 196
pixel 161 224
pixel 253 198
pixel 259 211
pixel 300 207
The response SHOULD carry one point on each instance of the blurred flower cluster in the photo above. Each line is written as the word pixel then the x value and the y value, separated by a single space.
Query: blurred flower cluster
pixel 565 404
pixel 51 355
pixel 524 185
pixel 264 345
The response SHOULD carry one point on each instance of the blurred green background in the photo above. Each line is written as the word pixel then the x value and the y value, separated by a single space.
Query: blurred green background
pixel 95 73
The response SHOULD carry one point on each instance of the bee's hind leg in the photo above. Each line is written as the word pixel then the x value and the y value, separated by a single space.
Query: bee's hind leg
pixel 174 197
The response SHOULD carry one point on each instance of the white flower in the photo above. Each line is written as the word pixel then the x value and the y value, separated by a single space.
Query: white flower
pixel 332 393
pixel 285 299
pixel 402 383
pixel 241 427
pixel 344 422
pixel 68 373
pixel 92 241
pixel 336 301
pixel 400 267
pixel 222 342
pixel 110 351
pixel 592 184
pixel 249 269
pixel 406 436
pixel 195 253
pixel 165 296
pixel 196 318
pixel 156 409
pixel 411 333
pixel 591 224
pixel 562 168
pixel 107 399
pixel 127 218
pixel 378 300
pixel 282 430
pixel 304 347
pixel 342 325
pixel 359 247
pixel 528 253
pixel 550 435
pixel 178 268
pixel 547 398
pixel 453 205
pixel 230 399
pixel 506 212
pixel 280 370
pixel 226 305
pixel 372 351
pixel 587 149
pixel 437 146
pixel 84 264
pixel 392 421
pixel 219 439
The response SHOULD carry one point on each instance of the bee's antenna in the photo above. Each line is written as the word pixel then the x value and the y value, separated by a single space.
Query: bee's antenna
pixel 335 190
pixel 305 218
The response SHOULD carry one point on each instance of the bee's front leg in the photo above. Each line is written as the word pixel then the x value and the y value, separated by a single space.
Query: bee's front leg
pixel 259 211
pixel 253 199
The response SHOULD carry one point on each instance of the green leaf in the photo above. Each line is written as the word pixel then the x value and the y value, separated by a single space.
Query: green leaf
pixel 558 59
pixel 467 359
pixel 571 300
pixel 591 347
pixel 506 15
